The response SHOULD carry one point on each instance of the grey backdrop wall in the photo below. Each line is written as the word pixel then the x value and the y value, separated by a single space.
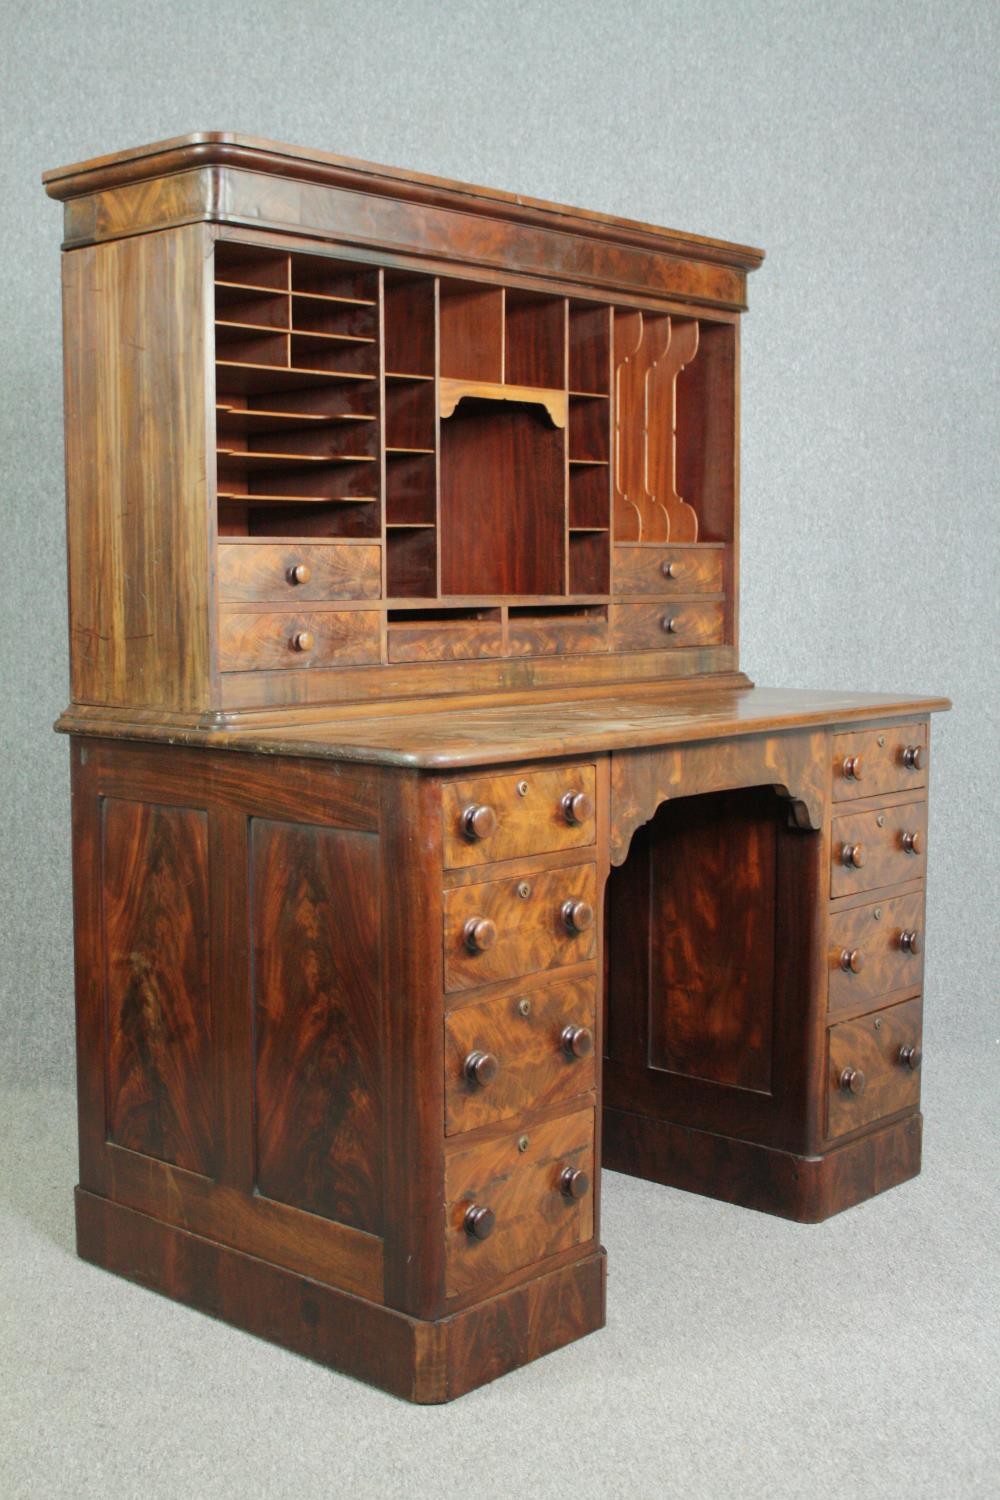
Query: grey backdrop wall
pixel 855 142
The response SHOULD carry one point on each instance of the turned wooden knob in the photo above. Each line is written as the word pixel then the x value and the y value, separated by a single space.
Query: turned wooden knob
pixel 910 1057
pixel 480 1221
pixel 670 570
pixel 913 758
pixel 671 624
pixel 577 807
pixel 577 1041
pixel 479 934
pixel 853 856
pixel 479 821
pixel 481 1068
pixel 300 573
pixel 913 843
pixel 853 1081
pixel 577 915
pixel 909 941
pixel 854 767
pixel 574 1183
pixel 852 960
pixel 303 640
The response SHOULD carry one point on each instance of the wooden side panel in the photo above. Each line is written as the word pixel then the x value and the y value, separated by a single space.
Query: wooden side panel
pixel 138 492
pixel 319 1026
pixel 712 939
pixel 158 1076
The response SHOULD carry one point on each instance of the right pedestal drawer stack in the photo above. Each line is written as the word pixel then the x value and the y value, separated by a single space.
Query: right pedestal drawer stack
pixel 876 921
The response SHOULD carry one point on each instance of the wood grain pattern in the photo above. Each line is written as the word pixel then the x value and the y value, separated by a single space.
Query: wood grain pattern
pixel 535 1070
pixel 318 1020
pixel 712 937
pixel 265 642
pixel 643 779
pixel 533 1218
pixel 529 809
pixel 874 932
pixel 261 571
pixel 640 570
pixel 160 1096
pixel 557 637
pixel 670 626
pixel 470 640
pixel 880 832
pixel 531 933
pixel 139 523
pixel 882 766
pixel 872 1045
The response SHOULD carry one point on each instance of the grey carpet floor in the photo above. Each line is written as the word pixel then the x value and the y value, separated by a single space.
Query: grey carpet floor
pixel 744 1356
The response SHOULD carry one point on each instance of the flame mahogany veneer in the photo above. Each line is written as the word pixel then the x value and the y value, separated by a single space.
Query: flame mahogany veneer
pixel 429 845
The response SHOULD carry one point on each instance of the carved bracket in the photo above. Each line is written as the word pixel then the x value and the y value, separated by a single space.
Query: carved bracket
pixel 453 391
pixel 795 765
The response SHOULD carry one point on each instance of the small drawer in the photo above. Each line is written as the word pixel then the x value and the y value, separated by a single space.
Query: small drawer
pixel 882 847
pixel 868 762
pixel 529 1194
pixel 668 570
pixel 462 641
pixel 667 625
pixel 505 928
pixel 875 949
pixel 502 817
pixel 270 572
pixel 557 633
pixel 517 1053
pixel 296 639
pixel 873 1067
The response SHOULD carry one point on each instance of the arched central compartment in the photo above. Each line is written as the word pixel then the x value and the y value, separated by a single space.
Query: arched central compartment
pixel 708 951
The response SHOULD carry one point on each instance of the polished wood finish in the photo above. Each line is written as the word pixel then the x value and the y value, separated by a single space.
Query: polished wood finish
pixel 423 822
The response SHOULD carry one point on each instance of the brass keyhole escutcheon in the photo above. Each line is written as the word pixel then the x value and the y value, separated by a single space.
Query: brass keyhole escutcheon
pixel 524 1007
pixel 523 1143
pixel 880 820
pixel 878 1023
pixel 877 914
pixel 881 741
pixel 522 788
pixel 524 890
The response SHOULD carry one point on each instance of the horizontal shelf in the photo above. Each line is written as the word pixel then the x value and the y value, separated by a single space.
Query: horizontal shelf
pixel 405 375
pixel 241 459
pixel 284 291
pixel 263 420
pixel 248 379
pixel 337 338
pixel 397 452
pixel 278 330
pixel 409 525
pixel 589 396
pixel 298 499
pixel 297 539
pixel 591 463
pixel 578 530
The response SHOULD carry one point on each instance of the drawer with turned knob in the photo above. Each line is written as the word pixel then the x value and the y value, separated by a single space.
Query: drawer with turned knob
pixel 870 762
pixel 523 1194
pixel 278 640
pixel 875 949
pixel 873 1067
pixel 502 929
pixel 526 1051
pixel 536 811
pixel 668 570
pixel 881 847
pixel 668 624
pixel 273 572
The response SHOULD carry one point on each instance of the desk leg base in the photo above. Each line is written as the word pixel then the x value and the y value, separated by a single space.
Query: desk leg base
pixel 421 1361
pixel 805 1188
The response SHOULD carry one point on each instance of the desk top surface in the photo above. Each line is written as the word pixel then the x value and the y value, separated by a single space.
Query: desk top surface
pixel 456 736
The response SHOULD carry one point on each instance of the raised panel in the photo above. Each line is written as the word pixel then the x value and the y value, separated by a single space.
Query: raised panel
pixel 158 1042
pixel 712 915
pixel 318 1019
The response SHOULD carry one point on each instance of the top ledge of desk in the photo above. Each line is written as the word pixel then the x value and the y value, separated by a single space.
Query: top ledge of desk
pixel 439 738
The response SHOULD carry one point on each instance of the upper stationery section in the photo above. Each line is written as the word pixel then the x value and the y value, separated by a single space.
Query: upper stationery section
pixel 337 432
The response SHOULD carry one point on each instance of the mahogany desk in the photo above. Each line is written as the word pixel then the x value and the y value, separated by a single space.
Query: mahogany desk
pixel 429 845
